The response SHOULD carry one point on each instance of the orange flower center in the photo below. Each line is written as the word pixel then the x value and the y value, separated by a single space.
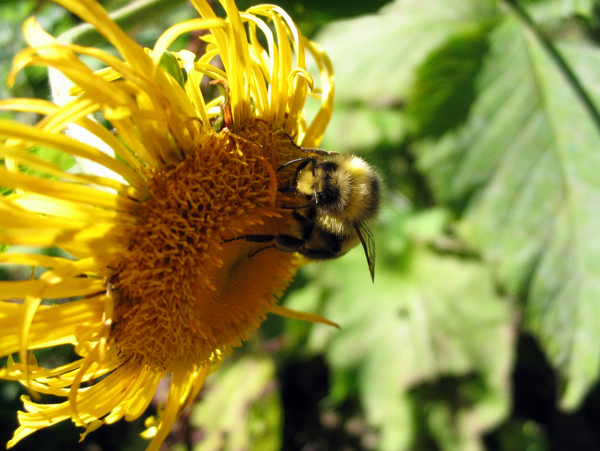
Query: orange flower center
pixel 184 297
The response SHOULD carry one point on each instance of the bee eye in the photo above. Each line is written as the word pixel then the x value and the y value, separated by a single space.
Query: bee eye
pixel 329 166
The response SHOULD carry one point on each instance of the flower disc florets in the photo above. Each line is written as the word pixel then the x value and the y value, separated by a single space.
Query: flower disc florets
pixel 182 294
pixel 152 282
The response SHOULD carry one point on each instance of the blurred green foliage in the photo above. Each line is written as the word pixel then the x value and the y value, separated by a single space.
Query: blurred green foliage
pixel 481 330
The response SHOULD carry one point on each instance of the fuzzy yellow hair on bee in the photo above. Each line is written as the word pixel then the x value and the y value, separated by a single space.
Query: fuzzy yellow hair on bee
pixel 338 197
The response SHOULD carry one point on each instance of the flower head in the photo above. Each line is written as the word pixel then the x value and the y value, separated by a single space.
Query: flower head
pixel 152 283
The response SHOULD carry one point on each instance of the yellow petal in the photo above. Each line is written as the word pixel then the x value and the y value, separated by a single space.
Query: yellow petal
pixel 302 316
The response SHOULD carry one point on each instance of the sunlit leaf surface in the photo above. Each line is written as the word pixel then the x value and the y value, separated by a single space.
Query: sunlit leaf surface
pixel 241 408
pixel 525 169
pixel 433 318
pixel 483 322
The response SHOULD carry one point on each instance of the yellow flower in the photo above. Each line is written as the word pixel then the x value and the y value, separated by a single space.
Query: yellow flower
pixel 149 286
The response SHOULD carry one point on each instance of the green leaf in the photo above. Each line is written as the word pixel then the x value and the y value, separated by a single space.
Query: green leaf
pixel 241 408
pixel 427 318
pixel 134 14
pixel 524 170
pixel 527 435
pixel 311 14
pixel 375 56
pixel 62 160
pixel 445 85
pixel 550 10
pixel 356 128
pixel 170 65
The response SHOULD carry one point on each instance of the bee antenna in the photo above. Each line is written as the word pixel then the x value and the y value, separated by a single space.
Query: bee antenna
pixel 304 160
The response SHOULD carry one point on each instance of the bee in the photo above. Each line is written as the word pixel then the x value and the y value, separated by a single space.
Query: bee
pixel 341 196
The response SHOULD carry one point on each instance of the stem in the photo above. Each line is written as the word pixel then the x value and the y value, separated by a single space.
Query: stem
pixel 572 78
pixel 127 17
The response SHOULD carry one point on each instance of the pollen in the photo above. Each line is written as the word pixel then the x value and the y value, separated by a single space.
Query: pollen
pixel 184 296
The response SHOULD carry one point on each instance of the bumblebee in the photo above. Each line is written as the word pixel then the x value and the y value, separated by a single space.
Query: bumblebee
pixel 339 195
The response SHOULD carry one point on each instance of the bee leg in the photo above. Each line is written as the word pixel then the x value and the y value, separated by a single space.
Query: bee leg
pixel 307 223
pixel 282 243
pixel 256 239
pixel 304 220
pixel 320 254
pixel 253 238
pixel 261 249
pixel 288 243
pixel 289 207
pixel 333 241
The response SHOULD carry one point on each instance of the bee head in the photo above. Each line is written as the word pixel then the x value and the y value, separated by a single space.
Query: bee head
pixel 319 184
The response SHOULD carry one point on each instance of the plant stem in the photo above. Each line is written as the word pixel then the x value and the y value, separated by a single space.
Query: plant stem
pixel 571 77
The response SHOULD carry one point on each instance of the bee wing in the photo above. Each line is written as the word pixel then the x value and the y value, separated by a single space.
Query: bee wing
pixel 366 238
